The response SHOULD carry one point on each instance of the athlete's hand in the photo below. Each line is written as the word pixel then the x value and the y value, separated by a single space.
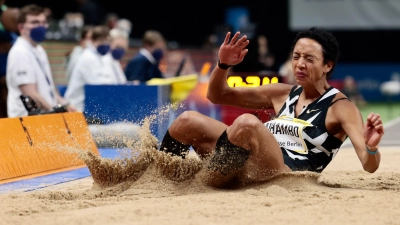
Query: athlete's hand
pixel 233 51
pixel 373 130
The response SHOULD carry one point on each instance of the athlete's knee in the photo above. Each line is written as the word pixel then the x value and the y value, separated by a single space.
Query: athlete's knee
pixel 187 118
pixel 247 121
pixel 245 124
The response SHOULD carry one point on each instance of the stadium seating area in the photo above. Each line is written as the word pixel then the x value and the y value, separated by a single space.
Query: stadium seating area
pixel 58 50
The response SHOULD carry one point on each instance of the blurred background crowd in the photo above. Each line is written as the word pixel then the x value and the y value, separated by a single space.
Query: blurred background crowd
pixel 165 39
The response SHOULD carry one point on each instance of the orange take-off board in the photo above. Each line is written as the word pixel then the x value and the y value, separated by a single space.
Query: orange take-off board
pixel 44 144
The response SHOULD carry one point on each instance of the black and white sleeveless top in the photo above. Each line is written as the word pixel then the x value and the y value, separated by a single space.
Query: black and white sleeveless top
pixel 314 143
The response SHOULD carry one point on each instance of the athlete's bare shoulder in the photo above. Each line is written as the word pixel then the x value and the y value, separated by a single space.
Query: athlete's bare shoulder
pixel 276 93
pixel 342 107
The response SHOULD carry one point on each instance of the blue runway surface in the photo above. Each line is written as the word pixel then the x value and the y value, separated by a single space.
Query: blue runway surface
pixel 53 179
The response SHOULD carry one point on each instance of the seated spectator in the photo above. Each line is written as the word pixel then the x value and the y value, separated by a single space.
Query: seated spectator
pixel 90 68
pixel 118 47
pixel 28 67
pixel 84 41
pixel 351 91
pixel 145 65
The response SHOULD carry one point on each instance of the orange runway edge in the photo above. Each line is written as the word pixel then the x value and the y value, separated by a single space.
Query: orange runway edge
pixel 39 145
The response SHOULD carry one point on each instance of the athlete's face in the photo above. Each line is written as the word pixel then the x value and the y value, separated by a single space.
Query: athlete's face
pixel 308 61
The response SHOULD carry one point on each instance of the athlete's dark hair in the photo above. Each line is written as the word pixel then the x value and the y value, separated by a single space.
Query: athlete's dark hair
pixel 330 46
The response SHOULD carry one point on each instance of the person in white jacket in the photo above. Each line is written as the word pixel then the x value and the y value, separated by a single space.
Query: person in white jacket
pixel 112 60
pixel 90 68
pixel 84 41
pixel 28 67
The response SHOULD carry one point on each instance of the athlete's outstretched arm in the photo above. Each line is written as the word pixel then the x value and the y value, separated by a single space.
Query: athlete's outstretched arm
pixel 365 138
pixel 232 52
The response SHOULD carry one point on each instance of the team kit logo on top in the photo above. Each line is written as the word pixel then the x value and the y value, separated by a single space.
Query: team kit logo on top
pixel 288 131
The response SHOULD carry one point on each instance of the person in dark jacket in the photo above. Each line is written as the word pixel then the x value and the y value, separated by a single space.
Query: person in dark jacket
pixel 145 64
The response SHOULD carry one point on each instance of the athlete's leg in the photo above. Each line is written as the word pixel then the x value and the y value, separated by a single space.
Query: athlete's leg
pixel 264 158
pixel 192 129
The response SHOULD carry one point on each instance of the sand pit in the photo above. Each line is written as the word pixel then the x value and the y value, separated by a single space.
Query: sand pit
pixel 342 194
pixel 153 188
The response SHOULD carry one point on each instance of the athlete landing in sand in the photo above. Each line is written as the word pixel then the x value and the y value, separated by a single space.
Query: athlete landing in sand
pixel 313 119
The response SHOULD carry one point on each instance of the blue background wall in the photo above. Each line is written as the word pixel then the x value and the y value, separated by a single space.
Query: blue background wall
pixel 369 77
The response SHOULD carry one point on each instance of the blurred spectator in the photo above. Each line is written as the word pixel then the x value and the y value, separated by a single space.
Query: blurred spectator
pixel 210 44
pixel 69 27
pixel 177 63
pixel 392 87
pixel 145 65
pixel 220 33
pixel 49 17
pixel 351 91
pixel 8 35
pixel 238 17
pixel 125 24
pixel 245 26
pixel 28 67
pixel 111 20
pixel 265 56
pixel 286 71
pixel 72 57
pixel 259 57
pixel 93 13
pixel 90 68
pixel 118 47
pixel 48 13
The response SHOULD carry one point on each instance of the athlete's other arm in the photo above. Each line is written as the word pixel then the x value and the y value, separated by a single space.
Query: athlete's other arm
pixel 362 135
pixel 232 52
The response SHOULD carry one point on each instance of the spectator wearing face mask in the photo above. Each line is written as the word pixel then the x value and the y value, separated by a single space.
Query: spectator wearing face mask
pixel 145 64
pixel 73 56
pixel 118 47
pixel 28 67
pixel 90 68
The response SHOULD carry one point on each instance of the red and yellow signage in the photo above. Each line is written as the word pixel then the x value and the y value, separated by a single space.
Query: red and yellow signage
pixel 252 80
